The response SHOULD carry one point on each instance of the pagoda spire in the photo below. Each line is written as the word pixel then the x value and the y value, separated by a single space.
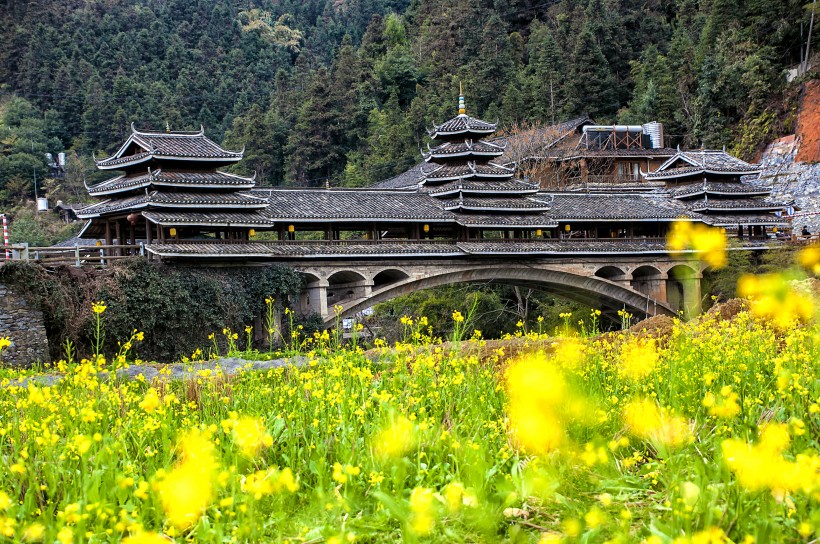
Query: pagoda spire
pixel 461 109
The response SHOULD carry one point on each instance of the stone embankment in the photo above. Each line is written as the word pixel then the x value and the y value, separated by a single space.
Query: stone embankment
pixel 791 165
pixel 227 366
pixel 24 326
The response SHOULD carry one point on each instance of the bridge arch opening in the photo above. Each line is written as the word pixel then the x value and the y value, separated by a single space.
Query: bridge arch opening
pixel 388 277
pixel 649 281
pixel 346 285
pixel 591 291
pixel 611 273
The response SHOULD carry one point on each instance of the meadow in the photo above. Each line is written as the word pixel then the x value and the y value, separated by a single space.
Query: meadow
pixel 697 432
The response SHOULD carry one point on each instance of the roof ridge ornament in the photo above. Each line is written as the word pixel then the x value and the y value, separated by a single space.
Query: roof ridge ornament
pixel 462 110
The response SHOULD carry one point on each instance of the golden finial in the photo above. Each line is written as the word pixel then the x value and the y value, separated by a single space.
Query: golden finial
pixel 461 109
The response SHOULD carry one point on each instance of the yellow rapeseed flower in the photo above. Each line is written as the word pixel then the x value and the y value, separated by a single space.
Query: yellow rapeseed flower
pixel 34 532
pixel 65 536
pixel 268 482
pixel 708 243
pixel 98 307
pixel 638 359
pixel 809 259
pixel 422 514
pixel 646 420
pixel 457 317
pixel 250 435
pixel 5 501
pixel 537 393
pixel 776 299
pixel 151 401
pixel 185 493
pixel 187 490
pixel 453 494
pixel 145 538
pixel 396 439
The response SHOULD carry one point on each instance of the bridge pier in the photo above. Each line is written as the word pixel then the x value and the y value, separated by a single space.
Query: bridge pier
pixel 313 299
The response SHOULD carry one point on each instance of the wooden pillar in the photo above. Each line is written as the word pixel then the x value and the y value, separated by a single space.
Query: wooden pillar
pixel 132 231
pixel 109 236
pixel 148 234
pixel 118 232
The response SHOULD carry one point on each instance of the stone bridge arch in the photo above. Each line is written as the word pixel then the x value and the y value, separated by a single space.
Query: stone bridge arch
pixel 594 291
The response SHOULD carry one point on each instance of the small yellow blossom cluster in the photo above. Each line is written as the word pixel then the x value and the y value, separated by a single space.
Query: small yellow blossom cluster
pixel 762 465
pixel 249 433
pixel 646 420
pixel 537 393
pixel 708 243
pixel 776 299
pixel 809 259
pixel 269 482
pixel 187 490
pixel 342 473
pixel 396 439
pixel 723 406
pixel 638 359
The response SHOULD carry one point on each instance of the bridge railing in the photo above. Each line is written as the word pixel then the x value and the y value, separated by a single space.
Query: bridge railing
pixel 652 239
pixel 76 255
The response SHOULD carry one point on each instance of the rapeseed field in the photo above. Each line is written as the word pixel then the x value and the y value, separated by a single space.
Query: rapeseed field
pixel 704 432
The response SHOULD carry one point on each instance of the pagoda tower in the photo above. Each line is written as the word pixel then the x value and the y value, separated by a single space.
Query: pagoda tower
pixel 710 183
pixel 462 174
pixel 171 189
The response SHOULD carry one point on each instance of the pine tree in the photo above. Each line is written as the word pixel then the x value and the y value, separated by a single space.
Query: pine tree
pixel 591 82
pixel 546 75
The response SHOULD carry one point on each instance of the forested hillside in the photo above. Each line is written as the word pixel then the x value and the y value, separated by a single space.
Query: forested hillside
pixel 341 91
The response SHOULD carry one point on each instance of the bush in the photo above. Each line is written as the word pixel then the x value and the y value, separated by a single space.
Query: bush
pixel 177 307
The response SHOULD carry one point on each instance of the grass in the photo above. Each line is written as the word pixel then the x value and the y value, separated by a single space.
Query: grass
pixel 425 441
pixel 700 432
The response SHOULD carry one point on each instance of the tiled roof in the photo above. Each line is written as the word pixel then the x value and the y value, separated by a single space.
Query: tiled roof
pixel 717 188
pixel 464 149
pixel 195 218
pixel 467 171
pixel 512 186
pixel 180 145
pixel 216 180
pixel 113 205
pixel 350 205
pixel 462 124
pixel 576 206
pixel 535 220
pixel 735 204
pixel 704 161
pixel 406 180
pixel 513 205
pixel 651 153
pixel 173 200
pixel 768 219
pixel 618 187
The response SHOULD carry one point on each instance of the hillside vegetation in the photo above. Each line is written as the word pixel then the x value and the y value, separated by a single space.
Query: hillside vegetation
pixel 342 91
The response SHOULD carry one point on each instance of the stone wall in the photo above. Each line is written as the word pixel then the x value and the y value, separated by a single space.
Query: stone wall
pixel 24 325
pixel 792 180
pixel 791 167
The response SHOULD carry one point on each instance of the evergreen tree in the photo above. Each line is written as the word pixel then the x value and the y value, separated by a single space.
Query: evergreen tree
pixel 546 75
pixel 592 82
pixel 315 153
